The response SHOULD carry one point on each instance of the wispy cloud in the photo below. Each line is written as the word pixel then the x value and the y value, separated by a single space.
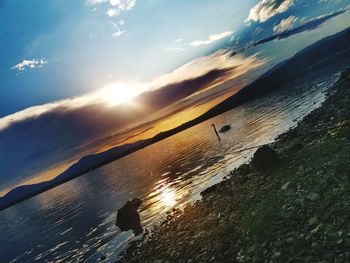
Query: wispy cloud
pixel 115 7
pixel 33 63
pixel 220 60
pixel 176 46
pixel 285 24
pixel 266 9
pixel 95 2
pixel 120 6
pixel 118 33
pixel 118 29
pixel 111 12
pixel 177 49
pixel 212 38
pixel 307 25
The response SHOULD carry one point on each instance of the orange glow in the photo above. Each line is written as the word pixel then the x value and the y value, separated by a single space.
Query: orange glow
pixel 170 117
pixel 159 126
pixel 177 119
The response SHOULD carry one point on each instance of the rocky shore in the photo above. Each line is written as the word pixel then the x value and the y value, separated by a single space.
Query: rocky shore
pixel 295 211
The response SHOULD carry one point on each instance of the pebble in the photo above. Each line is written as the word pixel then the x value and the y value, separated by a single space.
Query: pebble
pixel 313 221
pixel 278 243
pixel 285 186
pixel 275 255
pixel 290 240
pixel 313 196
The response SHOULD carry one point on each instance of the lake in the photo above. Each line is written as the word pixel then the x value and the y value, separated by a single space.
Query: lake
pixel 76 221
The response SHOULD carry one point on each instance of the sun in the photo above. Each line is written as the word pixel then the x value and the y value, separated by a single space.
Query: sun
pixel 120 93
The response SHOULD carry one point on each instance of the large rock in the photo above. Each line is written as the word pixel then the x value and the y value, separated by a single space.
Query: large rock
pixel 244 169
pixel 264 158
pixel 209 190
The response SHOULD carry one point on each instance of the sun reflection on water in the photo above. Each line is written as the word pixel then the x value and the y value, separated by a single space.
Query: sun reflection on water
pixel 168 197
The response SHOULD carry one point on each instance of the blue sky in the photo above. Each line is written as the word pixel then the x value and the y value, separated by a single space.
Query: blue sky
pixel 72 71
pixel 84 48
pixel 76 39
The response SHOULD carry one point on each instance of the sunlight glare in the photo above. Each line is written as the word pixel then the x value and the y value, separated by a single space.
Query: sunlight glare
pixel 120 93
pixel 168 197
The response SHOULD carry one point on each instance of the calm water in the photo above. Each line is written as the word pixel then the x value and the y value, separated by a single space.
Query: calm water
pixel 75 221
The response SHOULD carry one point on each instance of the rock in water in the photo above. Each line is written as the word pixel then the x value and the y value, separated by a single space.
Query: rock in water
pixel 264 158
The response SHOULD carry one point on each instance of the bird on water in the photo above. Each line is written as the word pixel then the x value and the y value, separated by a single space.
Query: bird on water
pixel 223 129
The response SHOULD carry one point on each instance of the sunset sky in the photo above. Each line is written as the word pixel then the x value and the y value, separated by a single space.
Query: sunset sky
pixel 82 76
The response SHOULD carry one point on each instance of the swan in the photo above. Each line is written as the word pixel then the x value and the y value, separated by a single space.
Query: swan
pixel 216 132
pixel 223 129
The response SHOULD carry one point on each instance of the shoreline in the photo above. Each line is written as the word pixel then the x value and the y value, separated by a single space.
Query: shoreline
pixel 303 62
pixel 297 210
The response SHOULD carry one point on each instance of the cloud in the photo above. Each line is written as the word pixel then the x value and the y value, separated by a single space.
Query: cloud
pixel 285 24
pixel 220 60
pixel 116 7
pixel 118 33
pixel 177 49
pixel 123 3
pixel 33 63
pixel 212 38
pixel 266 9
pixel 176 46
pixel 95 2
pixel 120 6
pixel 75 123
pixel 112 12
pixel 117 29
pixel 308 25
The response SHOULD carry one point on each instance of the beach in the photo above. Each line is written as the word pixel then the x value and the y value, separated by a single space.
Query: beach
pixel 298 210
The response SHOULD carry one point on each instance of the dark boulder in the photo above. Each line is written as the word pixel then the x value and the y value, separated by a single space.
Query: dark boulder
pixel 264 158
pixel 244 169
pixel 209 190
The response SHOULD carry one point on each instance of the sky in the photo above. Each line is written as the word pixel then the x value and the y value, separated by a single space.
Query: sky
pixel 79 77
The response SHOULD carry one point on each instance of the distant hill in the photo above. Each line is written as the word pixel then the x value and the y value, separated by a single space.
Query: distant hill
pixel 323 53
pixel 316 56
pixel 84 165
